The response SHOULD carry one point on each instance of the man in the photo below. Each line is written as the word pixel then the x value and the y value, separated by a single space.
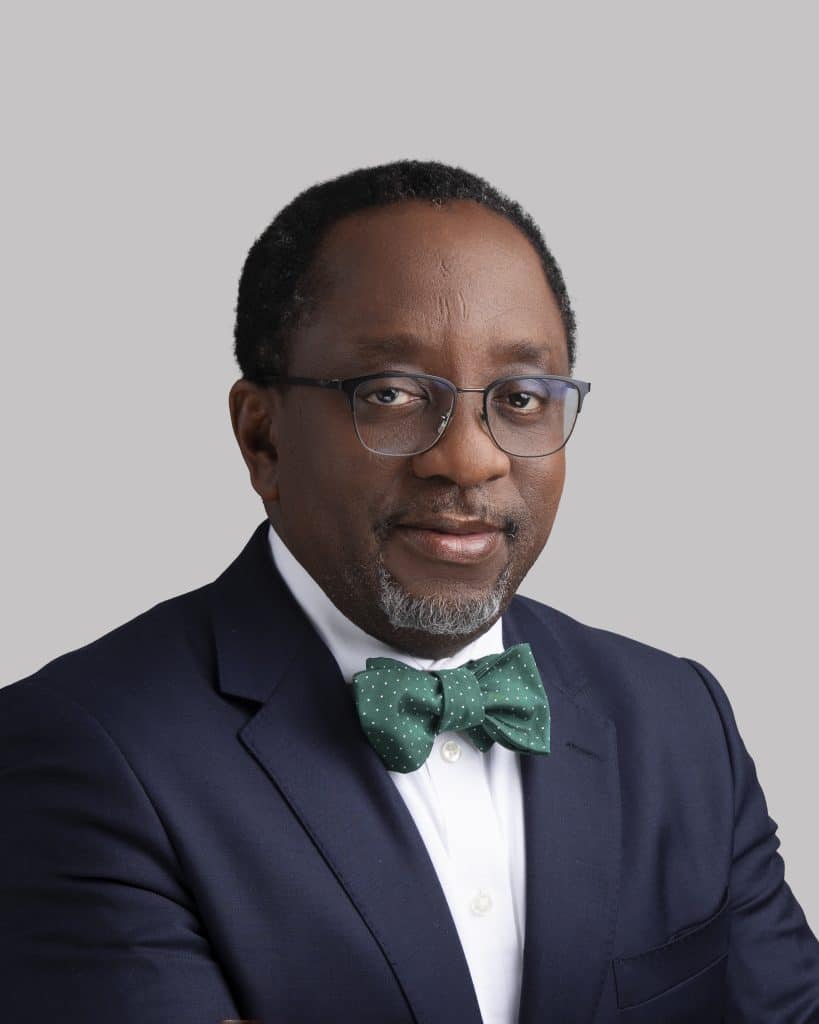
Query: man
pixel 356 778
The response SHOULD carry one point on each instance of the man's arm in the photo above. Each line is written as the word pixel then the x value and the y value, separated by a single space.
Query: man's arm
pixel 773 959
pixel 95 920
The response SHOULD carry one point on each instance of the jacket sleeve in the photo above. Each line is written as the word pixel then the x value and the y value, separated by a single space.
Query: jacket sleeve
pixel 95 920
pixel 773 958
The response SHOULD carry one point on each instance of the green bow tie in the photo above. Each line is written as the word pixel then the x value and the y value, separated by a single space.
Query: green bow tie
pixel 499 697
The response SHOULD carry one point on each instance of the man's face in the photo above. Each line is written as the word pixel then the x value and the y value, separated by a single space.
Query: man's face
pixel 456 291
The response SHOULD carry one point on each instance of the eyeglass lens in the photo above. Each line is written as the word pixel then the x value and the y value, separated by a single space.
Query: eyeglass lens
pixel 406 415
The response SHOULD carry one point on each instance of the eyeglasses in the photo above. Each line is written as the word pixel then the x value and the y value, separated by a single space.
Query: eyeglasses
pixel 407 413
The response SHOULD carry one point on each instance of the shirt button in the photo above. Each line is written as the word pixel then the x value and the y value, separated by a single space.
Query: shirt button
pixel 481 903
pixel 451 751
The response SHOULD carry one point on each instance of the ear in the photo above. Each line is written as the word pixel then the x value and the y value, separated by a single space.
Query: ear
pixel 254 413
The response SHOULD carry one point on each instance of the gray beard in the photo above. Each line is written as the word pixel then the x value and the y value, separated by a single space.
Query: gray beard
pixel 441 616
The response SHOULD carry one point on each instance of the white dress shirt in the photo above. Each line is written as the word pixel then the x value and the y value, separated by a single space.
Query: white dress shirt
pixel 467 806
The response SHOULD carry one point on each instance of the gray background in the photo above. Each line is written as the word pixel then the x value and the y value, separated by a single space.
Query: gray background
pixel 667 150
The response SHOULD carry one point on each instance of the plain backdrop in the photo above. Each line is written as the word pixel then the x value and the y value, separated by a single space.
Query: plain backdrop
pixel 668 151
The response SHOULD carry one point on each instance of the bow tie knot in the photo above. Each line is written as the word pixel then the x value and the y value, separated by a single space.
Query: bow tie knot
pixel 496 698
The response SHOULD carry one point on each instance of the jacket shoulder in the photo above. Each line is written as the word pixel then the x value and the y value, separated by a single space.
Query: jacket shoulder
pixel 625 678
pixel 170 640
pixel 587 640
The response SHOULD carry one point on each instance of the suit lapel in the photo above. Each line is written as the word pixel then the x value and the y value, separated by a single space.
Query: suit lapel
pixel 307 737
pixel 572 812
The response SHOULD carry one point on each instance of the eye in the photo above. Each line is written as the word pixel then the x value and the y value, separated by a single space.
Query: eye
pixel 515 399
pixel 386 394
pixel 521 399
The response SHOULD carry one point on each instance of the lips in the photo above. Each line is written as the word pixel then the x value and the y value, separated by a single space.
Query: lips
pixel 464 541
pixel 452 524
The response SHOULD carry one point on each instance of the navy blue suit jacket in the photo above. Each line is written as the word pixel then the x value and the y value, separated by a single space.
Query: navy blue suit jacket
pixel 195 828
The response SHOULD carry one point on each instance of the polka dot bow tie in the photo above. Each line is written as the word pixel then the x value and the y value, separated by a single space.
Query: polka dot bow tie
pixel 496 698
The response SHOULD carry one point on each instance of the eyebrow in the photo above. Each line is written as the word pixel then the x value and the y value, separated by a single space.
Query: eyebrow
pixel 523 350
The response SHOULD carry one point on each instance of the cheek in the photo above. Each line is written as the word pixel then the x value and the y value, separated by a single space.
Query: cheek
pixel 541 489
pixel 331 488
pixel 314 448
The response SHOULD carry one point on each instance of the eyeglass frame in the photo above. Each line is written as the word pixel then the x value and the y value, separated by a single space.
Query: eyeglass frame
pixel 349 385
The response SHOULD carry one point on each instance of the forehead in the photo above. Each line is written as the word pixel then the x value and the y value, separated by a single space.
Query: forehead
pixel 442 274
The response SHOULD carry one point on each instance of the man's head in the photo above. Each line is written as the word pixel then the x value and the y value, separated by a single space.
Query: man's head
pixel 411 267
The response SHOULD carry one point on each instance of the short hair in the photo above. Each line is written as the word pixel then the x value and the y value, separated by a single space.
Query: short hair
pixel 278 288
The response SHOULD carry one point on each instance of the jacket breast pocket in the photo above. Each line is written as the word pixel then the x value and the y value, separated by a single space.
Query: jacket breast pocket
pixel 646 975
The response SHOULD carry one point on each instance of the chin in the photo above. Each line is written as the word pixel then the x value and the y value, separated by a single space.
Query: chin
pixel 445 609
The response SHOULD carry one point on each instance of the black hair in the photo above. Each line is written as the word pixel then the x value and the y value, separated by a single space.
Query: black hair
pixel 277 286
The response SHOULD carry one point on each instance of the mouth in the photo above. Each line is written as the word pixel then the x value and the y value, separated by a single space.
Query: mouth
pixel 447 539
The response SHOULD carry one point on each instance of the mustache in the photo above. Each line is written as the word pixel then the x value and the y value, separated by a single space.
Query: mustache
pixel 507 522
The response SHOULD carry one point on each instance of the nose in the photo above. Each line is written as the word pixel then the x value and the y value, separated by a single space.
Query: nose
pixel 465 452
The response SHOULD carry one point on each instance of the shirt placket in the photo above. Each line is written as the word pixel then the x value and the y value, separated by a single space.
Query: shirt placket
pixel 480 893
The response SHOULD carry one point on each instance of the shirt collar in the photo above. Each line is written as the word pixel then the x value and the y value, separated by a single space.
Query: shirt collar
pixel 348 643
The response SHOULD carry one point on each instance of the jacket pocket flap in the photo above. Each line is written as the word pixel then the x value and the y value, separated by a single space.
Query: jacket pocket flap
pixel 648 974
